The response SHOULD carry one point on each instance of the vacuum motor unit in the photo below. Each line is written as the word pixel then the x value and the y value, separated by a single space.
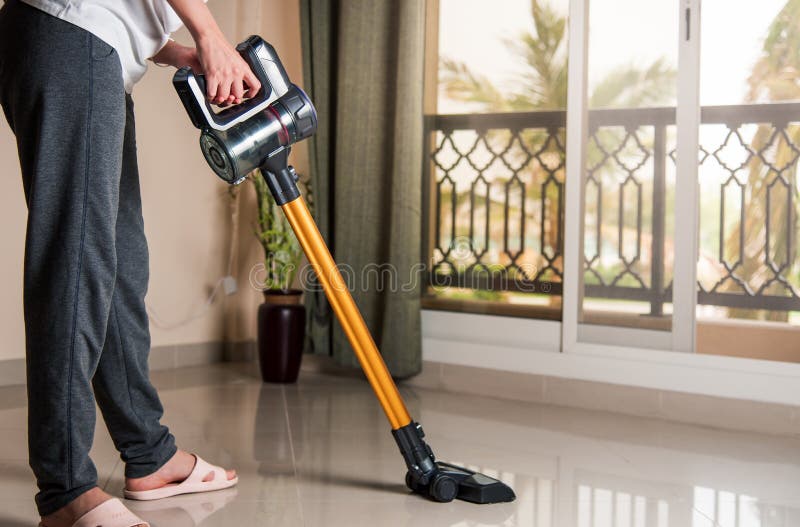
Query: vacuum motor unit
pixel 237 140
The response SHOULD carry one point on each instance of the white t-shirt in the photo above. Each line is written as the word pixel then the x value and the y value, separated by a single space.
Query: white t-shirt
pixel 136 29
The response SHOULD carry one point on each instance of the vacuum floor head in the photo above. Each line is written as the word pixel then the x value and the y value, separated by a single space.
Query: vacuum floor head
pixel 451 482
pixel 442 481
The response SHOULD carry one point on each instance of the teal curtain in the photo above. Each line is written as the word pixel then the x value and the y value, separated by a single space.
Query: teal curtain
pixel 363 66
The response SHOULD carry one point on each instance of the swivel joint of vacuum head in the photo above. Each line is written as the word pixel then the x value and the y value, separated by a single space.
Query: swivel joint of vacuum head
pixel 417 454
pixel 442 481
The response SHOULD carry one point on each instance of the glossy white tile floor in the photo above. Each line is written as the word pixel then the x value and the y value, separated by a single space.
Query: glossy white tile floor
pixel 320 453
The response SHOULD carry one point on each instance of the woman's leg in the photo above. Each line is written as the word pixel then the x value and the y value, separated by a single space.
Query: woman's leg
pixel 129 402
pixel 61 89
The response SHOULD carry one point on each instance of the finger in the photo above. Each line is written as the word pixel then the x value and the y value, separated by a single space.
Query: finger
pixel 237 90
pixel 212 85
pixel 224 90
pixel 252 83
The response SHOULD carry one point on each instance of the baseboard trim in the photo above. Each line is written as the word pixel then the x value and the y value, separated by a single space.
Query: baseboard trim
pixel 705 410
pixel 242 351
pixel 12 371
pixel 183 355
pixel 717 412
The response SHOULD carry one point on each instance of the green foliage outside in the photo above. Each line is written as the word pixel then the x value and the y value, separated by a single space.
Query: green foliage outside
pixel 775 77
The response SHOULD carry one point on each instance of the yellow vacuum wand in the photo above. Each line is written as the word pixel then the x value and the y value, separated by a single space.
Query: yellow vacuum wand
pixel 346 311
pixel 440 481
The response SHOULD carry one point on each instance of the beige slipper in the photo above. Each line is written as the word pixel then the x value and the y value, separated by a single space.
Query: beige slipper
pixel 194 483
pixel 110 513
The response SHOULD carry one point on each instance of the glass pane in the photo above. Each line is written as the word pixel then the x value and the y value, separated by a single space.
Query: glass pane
pixel 495 152
pixel 630 170
pixel 748 266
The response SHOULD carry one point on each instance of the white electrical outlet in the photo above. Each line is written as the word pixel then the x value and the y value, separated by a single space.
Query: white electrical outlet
pixel 229 285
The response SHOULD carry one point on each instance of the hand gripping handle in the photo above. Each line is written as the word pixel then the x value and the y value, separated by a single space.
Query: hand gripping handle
pixel 267 67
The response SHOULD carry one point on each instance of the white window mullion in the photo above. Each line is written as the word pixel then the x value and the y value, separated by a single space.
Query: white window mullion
pixel 684 290
pixel 577 125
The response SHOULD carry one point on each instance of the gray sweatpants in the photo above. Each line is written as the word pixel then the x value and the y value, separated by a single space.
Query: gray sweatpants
pixel 86 260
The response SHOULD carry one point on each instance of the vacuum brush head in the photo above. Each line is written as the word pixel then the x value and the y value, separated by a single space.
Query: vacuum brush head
pixel 451 482
pixel 442 481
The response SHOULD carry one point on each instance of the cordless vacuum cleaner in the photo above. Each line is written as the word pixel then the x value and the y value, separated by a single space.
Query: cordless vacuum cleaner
pixel 259 133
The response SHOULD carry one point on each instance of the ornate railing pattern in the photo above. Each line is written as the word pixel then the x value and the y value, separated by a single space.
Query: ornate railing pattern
pixel 494 186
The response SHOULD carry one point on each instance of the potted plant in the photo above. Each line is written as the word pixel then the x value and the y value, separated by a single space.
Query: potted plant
pixel 282 316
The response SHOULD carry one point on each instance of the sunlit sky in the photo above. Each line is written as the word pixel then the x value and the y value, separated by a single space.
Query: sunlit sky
pixel 622 32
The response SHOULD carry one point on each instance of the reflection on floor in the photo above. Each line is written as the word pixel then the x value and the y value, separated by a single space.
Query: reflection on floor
pixel 319 453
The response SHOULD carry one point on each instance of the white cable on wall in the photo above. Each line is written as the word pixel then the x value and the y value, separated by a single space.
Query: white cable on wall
pixel 158 322
pixel 228 282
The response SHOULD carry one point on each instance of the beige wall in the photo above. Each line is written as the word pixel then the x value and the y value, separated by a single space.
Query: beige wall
pixel 12 234
pixel 186 208
pixel 279 22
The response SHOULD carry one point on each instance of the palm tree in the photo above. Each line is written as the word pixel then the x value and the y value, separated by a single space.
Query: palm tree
pixel 774 77
pixel 543 86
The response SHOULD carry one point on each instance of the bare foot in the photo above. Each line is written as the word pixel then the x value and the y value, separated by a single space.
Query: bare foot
pixel 69 514
pixel 175 470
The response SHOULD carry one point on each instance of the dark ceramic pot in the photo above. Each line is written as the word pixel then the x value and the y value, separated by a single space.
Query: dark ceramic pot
pixel 281 335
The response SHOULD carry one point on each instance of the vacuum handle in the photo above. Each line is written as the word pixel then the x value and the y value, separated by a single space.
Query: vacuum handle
pixel 266 66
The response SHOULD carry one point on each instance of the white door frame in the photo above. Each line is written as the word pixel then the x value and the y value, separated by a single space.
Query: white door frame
pixel 684 288
pixel 575 336
pixel 577 124
pixel 557 349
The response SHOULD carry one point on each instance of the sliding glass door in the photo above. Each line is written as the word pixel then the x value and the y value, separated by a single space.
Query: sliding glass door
pixel 629 242
pixel 682 187
pixel 592 162
pixel 748 265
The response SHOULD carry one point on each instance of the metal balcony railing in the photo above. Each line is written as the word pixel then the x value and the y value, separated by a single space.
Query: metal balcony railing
pixel 494 195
